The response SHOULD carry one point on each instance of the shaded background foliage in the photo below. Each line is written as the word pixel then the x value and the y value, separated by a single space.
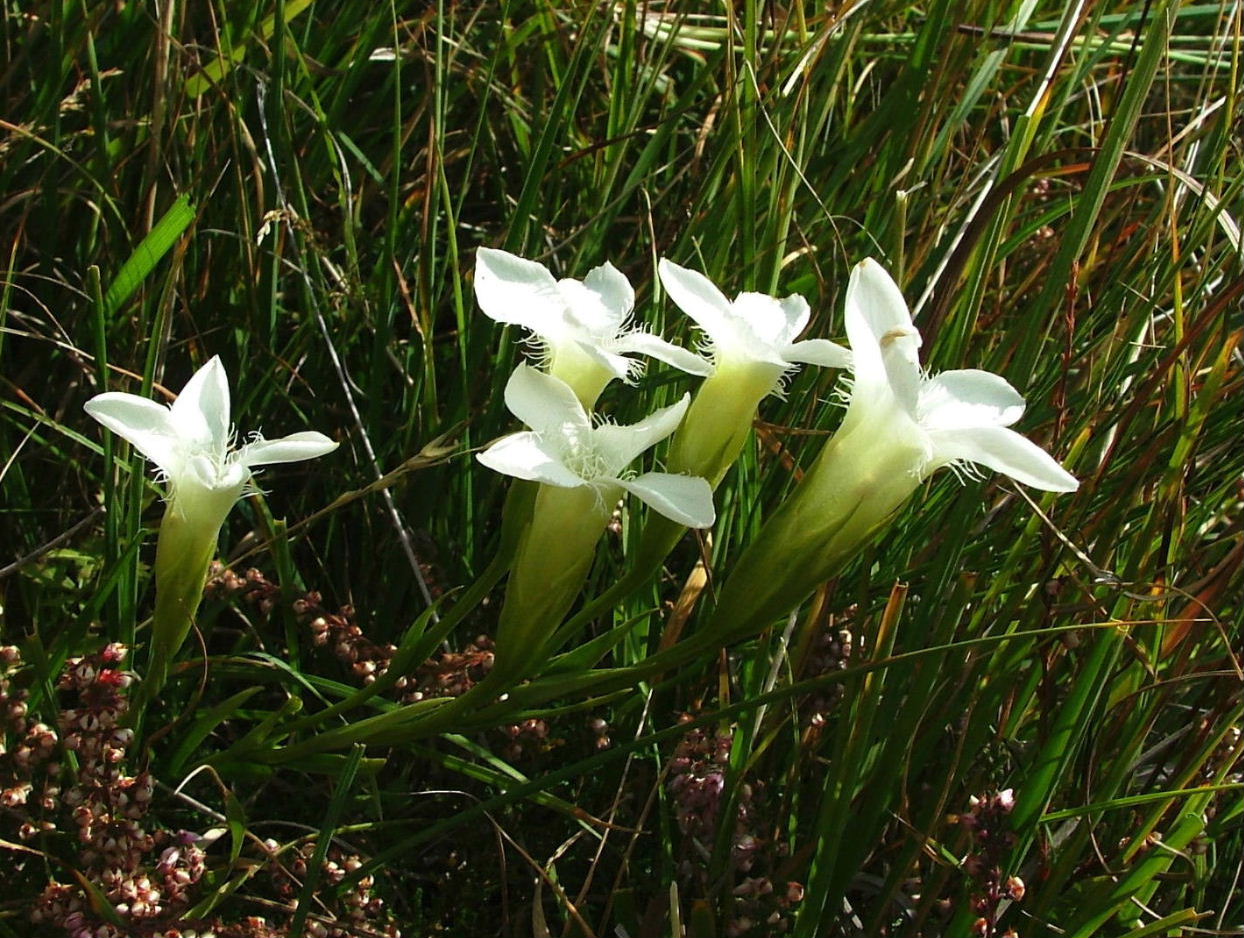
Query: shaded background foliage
pixel 1058 189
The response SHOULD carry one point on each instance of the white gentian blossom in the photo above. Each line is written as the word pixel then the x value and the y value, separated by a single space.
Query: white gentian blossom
pixel 755 334
pixel 565 449
pixel 582 328
pixel 956 418
pixel 901 425
pixel 582 470
pixel 190 444
pixel 752 345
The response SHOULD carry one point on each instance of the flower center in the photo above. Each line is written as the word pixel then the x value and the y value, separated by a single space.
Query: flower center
pixel 585 462
pixel 210 466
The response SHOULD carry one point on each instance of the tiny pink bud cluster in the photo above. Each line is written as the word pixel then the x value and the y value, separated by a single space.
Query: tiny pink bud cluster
pixel 987 821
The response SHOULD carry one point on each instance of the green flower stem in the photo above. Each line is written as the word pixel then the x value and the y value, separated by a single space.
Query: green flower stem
pixel 706 445
pixel 554 553
pixel 855 486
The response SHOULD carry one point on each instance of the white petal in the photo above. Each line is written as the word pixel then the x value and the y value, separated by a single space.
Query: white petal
pixel 614 290
pixel 1005 451
pixel 204 477
pixel 148 426
pixel 885 346
pixel 903 373
pixel 618 446
pixel 546 404
pixel 524 455
pixel 696 296
pixel 587 312
pixel 685 499
pixel 570 358
pixel 818 352
pixel 645 343
pixel 968 398
pixel 875 303
pixel 293 448
pixel 797 312
pixel 764 318
pixel 512 289
pixel 201 411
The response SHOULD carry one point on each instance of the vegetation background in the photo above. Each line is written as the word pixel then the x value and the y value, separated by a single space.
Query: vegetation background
pixel 299 187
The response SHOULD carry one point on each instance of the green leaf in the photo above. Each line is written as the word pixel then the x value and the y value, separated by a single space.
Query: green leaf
pixel 149 252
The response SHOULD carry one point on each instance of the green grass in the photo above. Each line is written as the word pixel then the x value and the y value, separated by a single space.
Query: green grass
pixel 300 188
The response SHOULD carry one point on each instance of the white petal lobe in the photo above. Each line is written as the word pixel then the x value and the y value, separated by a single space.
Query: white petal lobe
pixel 645 343
pixel 1004 451
pixel 875 304
pixel 619 445
pixel 524 456
pixel 696 296
pixel 687 500
pixel 818 352
pixel 797 312
pixel 146 425
pixel 764 320
pixel 512 289
pixel 969 398
pixel 293 448
pixel 614 290
pixel 201 411
pixel 544 403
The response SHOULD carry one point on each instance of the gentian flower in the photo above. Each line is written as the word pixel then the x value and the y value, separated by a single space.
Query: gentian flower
pixel 914 423
pixel 190 445
pixel 582 470
pixel 751 343
pixel 581 328
pixel 755 332
pixel 565 450
pixel 901 425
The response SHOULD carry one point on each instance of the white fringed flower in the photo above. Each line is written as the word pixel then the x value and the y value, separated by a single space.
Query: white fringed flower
pixel 953 418
pixel 900 426
pixel 582 328
pixel 564 449
pixel 190 443
pixel 755 335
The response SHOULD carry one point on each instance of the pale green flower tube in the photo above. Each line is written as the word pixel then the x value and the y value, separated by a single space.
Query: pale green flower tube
pixel 900 427
pixel 189 443
pixel 553 559
pixel 185 547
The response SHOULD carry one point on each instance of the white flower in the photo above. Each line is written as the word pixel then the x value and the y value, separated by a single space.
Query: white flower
pixel 581 327
pixel 901 425
pixel 190 444
pixel 754 334
pixel 950 419
pixel 564 449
